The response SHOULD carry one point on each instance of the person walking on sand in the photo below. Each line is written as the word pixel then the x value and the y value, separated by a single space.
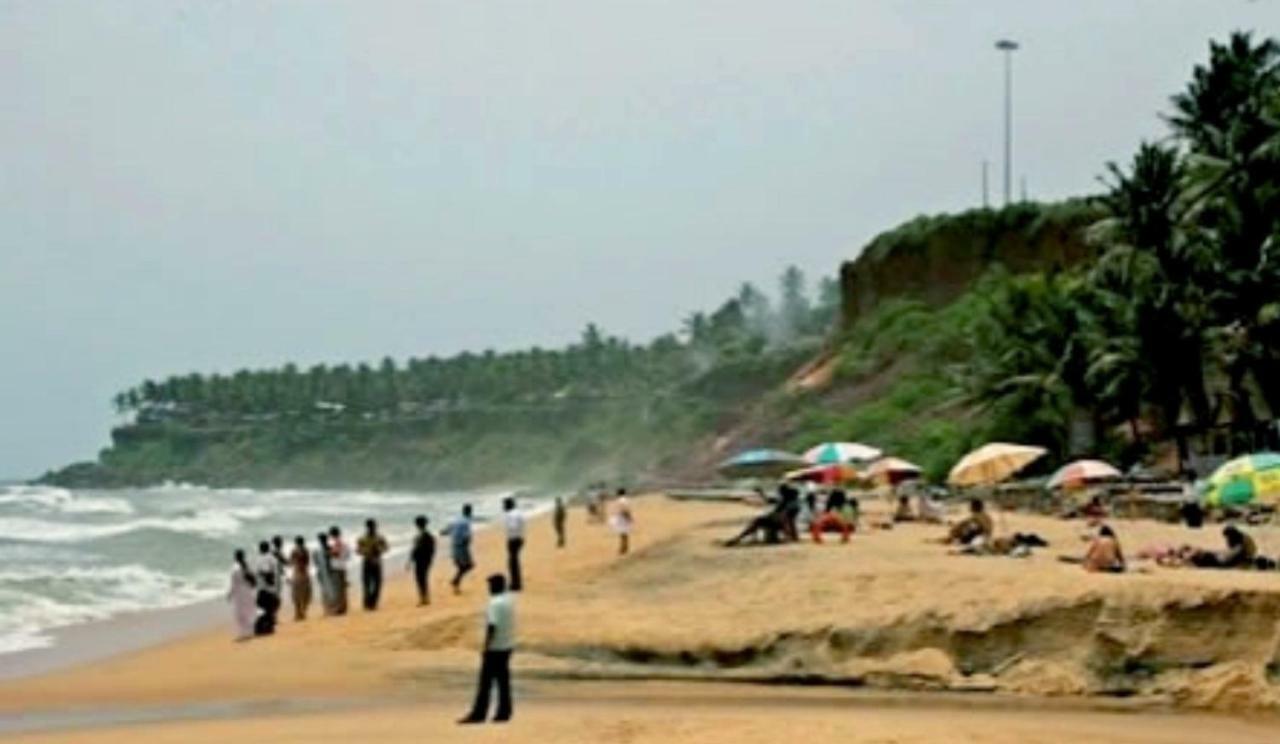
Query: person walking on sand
pixel 324 573
pixel 339 557
pixel 623 522
pixel 558 518
pixel 242 596
pixel 495 664
pixel 459 532
pixel 421 557
pixel 371 546
pixel 300 578
pixel 268 572
pixel 513 520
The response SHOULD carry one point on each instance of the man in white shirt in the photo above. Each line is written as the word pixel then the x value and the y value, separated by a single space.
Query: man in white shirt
pixel 514 522
pixel 339 557
pixel 495 666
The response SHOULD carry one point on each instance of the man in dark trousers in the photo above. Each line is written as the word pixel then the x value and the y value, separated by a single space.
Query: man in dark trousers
pixel 371 546
pixel 421 557
pixel 499 642
pixel 514 522
pixel 558 518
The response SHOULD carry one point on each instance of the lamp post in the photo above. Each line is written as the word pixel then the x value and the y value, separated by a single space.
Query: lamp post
pixel 1008 46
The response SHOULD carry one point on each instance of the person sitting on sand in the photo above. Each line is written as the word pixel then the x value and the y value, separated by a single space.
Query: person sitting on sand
pixel 903 513
pixel 975 530
pixel 1241 552
pixel 929 510
pixel 839 516
pixel 770 525
pixel 1104 554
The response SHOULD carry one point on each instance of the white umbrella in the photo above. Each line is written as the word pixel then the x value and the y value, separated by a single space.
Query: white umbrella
pixel 992 463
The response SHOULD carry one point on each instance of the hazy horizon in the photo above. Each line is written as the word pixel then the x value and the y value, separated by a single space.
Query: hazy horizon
pixel 205 186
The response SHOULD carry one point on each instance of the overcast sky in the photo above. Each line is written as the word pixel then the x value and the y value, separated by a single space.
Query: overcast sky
pixel 209 185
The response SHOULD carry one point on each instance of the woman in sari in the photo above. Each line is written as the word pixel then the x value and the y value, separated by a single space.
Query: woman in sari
pixel 242 595
pixel 324 576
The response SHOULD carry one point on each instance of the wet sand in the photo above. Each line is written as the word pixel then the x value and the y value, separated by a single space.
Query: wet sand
pixel 889 611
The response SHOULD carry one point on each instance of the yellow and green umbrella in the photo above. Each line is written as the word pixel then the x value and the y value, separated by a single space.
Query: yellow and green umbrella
pixel 1245 480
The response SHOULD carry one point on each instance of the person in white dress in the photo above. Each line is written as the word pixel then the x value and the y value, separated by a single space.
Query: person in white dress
pixel 243 598
pixel 623 522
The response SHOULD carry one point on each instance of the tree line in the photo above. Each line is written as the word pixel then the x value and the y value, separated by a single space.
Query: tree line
pixel 1176 326
pixel 747 326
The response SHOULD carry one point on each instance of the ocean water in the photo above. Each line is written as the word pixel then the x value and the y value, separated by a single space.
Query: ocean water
pixel 73 556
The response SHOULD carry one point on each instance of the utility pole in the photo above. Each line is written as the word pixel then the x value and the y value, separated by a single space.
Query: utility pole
pixel 986 199
pixel 1008 47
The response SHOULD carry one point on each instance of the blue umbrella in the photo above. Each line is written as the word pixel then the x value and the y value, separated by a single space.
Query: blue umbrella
pixel 760 463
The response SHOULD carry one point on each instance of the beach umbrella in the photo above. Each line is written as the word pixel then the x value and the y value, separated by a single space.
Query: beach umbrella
pixel 828 453
pixel 992 463
pixel 1081 472
pixel 1245 480
pixel 893 470
pixel 760 463
pixel 825 474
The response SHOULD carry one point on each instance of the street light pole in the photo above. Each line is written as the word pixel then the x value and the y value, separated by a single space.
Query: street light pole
pixel 1008 46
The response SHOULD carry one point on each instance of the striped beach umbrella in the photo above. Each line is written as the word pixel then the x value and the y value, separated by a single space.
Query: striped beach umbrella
pixel 1245 480
pixel 830 453
pixel 1081 473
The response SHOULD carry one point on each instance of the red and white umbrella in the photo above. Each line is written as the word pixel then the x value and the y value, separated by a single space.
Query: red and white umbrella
pixel 1081 472
pixel 893 469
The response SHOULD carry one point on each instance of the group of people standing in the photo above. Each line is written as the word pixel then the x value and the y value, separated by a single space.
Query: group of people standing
pixel 257 590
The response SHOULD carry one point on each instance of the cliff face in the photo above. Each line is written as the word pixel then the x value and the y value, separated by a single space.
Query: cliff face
pixel 935 259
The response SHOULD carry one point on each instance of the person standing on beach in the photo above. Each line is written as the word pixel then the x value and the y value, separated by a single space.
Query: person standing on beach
pixel 421 557
pixel 371 546
pixel 300 578
pixel 339 557
pixel 268 570
pixel 558 518
pixel 241 596
pixel 495 664
pixel 623 522
pixel 324 573
pixel 514 522
pixel 459 532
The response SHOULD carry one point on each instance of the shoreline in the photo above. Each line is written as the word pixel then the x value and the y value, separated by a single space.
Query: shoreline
pixel 87 642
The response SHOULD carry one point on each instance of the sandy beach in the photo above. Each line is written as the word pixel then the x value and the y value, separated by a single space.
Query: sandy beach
pixel 895 639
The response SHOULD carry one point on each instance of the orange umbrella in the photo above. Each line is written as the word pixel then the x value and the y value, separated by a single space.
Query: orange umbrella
pixel 825 474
